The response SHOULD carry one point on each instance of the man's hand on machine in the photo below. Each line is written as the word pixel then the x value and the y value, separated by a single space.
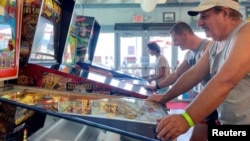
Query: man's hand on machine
pixel 155 98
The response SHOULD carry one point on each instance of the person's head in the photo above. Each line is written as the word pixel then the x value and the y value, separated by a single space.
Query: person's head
pixel 153 48
pixel 216 16
pixel 180 33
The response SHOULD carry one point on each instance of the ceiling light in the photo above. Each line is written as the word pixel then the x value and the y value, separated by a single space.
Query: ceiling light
pixel 149 5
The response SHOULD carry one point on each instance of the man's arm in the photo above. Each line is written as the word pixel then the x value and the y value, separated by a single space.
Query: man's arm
pixel 159 75
pixel 184 66
pixel 162 65
pixel 189 79
pixel 171 79
pixel 235 67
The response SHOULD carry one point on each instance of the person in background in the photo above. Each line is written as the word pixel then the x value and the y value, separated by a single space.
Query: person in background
pixel 227 61
pixel 184 37
pixel 162 69
pixel 125 63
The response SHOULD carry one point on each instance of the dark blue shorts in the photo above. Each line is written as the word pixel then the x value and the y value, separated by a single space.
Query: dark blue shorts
pixel 212 119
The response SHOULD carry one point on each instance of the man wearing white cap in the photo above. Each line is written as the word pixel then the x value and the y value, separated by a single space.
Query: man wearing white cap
pixel 228 63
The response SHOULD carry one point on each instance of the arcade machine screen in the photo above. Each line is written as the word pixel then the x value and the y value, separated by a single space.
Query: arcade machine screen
pixel 45 43
pixel 9 38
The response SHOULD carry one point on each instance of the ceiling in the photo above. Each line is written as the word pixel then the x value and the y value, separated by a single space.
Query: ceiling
pixel 137 1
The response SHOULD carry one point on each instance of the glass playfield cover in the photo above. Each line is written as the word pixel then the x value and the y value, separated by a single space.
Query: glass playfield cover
pixel 97 106
pixel 132 109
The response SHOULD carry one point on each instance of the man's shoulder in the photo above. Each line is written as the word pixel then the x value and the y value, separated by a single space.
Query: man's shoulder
pixel 189 55
pixel 242 35
pixel 241 38
pixel 209 44
pixel 245 30
pixel 189 52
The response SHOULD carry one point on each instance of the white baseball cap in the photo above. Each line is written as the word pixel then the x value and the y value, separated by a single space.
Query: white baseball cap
pixel 207 4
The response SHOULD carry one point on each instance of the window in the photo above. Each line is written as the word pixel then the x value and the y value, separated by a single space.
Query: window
pixel 104 52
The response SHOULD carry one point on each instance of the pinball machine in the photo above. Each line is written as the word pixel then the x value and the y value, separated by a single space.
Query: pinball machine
pixel 62 103
pixel 55 57
pixel 42 114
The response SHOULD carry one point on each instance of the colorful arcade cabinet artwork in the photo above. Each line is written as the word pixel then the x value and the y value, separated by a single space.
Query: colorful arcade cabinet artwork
pixel 86 38
pixel 9 38
pixel 40 31
pixel 68 57
pixel 30 14
pixel 46 39
pixel 83 35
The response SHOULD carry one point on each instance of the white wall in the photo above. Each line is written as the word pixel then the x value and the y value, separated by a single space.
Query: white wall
pixel 110 16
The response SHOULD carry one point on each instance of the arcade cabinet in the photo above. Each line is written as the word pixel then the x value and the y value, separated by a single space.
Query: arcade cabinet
pixel 9 38
pixel 56 55
pixel 11 119
pixel 31 113
pixel 83 33
pixel 77 117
